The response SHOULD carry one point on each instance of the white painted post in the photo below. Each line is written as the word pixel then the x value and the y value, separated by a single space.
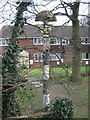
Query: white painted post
pixel 46 48
pixel 45 17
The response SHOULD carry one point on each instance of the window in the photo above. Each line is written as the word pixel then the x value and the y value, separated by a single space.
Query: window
pixel 54 57
pixel 54 41
pixel 85 56
pixel 38 41
pixel 65 42
pixel 38 57
pixel 85 40
pixel 3 42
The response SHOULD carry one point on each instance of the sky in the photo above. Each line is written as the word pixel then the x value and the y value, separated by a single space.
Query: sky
pixel 8 11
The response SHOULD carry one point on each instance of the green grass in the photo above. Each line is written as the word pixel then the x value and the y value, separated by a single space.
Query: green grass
pixel 36 72
pixel 84 69
pixel 28 99
pixel 56 70
pixel 80 98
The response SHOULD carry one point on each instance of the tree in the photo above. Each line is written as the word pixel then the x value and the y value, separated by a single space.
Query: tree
pixel 74 7
pixel 9 67
pixel 76 75
pixel 76 61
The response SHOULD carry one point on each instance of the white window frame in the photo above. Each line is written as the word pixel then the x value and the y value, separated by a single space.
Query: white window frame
pixel 37 57
pixel 3 40
pixel 56 55
pixel 37 41
pixel 56 41
pixel 84 54
pixel 83 40
pixel 65 40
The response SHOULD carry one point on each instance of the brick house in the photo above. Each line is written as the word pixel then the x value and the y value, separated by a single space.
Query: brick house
pixel 61 44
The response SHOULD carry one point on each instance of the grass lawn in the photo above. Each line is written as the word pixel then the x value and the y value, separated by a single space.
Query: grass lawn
pixel 58 70
pixel 30 98
pixel 37 72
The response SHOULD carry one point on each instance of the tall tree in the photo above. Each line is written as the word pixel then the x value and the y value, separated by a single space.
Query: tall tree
pixel 9 67
pixel 76 74
pixel 76 61
pixel 74 8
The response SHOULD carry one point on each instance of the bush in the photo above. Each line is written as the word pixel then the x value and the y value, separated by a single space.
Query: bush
pixel 62 108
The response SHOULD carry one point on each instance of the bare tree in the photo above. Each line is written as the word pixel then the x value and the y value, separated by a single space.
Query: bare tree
pixel 74 9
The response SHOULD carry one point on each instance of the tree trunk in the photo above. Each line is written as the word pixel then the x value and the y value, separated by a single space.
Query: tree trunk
pixel 76 61
pixel 88 49
pixel 46 98
pixel 89 36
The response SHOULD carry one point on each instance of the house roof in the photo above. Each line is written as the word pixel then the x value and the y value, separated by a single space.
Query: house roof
pixel 0 33
pixel 6 31
pixel 31 31
pixel 66 31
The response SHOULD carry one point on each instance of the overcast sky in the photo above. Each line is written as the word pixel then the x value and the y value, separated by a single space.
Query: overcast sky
pixel 9 11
